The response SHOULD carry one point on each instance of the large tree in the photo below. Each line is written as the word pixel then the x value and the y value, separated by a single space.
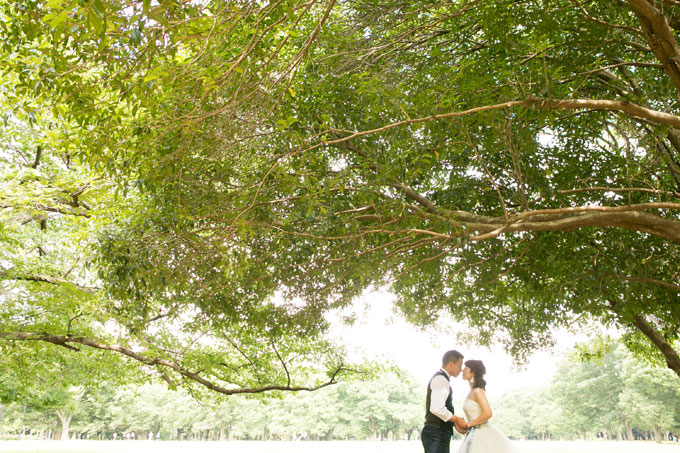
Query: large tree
pixel 59 312
pixel 515 164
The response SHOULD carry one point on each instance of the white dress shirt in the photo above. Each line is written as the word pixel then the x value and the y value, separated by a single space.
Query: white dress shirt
pixel 441 387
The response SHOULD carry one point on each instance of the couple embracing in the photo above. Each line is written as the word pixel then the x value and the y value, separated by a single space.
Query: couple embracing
pixel 480 436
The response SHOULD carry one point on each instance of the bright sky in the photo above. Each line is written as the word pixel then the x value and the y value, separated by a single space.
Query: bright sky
pixel 382 333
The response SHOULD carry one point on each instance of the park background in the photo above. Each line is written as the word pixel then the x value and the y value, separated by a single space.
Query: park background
pixel 558 395
pixel 196 194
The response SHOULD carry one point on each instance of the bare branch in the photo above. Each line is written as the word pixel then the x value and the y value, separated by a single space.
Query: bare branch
pixel 38 154
pixel 282 362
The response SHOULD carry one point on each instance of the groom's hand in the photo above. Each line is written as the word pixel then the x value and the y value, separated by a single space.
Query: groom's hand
pixel 459 424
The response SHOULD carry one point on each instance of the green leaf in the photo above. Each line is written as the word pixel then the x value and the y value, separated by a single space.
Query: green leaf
pixel 55 22
pixel 136 36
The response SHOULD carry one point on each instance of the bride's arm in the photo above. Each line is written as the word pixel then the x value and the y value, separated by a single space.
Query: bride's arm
pixel 480 395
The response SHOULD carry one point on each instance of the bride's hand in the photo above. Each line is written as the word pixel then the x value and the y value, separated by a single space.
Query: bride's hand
pixel 460 424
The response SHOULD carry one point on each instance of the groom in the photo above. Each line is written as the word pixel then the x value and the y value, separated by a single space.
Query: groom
pixel 439 418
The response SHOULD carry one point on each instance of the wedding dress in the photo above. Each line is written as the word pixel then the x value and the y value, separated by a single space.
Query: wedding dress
pixel 484 438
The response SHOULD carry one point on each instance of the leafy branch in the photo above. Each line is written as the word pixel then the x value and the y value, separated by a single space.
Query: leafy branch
pixel 69 341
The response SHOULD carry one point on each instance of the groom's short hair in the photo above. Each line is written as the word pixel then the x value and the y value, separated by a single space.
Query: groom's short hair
pixel 451 356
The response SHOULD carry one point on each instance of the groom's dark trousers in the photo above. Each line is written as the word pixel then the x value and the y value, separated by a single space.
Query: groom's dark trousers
pixel 435 440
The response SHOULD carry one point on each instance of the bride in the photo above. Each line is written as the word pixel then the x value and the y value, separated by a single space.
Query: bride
pixel 482 437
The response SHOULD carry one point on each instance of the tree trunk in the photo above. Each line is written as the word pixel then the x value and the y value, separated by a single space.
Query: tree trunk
pixel 65 420
pixel 659 342
pixel 372 426
pixel 657 433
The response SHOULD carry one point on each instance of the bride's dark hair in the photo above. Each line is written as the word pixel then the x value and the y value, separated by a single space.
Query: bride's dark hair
pixel 479 370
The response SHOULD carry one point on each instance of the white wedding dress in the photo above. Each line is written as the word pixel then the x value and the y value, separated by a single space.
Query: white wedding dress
pixel 485 438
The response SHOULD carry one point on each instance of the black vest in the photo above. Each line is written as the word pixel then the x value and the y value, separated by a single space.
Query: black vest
pixel 430 418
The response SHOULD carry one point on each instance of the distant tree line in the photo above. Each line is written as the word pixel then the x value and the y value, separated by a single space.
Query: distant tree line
pixel 606 394
pixel 599 391
pixel 391 408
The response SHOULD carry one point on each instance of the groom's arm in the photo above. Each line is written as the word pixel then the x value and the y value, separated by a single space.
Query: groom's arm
pixel 440 391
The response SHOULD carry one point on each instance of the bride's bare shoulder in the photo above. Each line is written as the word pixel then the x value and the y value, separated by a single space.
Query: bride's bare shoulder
pixel 479 392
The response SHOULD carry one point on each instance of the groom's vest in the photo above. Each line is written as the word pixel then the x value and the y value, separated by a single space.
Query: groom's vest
pixel 430 418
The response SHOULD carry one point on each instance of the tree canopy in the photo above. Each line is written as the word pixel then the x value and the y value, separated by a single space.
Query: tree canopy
pixel 234 171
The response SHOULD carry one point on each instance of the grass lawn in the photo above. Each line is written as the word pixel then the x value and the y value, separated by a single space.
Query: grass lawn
pixel 85 446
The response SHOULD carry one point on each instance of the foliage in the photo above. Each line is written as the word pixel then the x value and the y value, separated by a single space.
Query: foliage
pixel 336 412
pixel 58 323
pixel 615 397
pixel 218 177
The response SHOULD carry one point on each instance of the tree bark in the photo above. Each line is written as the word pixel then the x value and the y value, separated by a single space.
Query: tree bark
pixel 659 36
pixel 38 154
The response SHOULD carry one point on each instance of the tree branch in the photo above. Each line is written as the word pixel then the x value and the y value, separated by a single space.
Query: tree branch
pixel 4 275
pixel 38 154
pixel 670 354
pixel 659 36
pixel 619 189
pixel 282 362
pixel 654 281
pixel 46 208
pixel 626 107
pixel 627 217
pixel 66 341
pixel 605 23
